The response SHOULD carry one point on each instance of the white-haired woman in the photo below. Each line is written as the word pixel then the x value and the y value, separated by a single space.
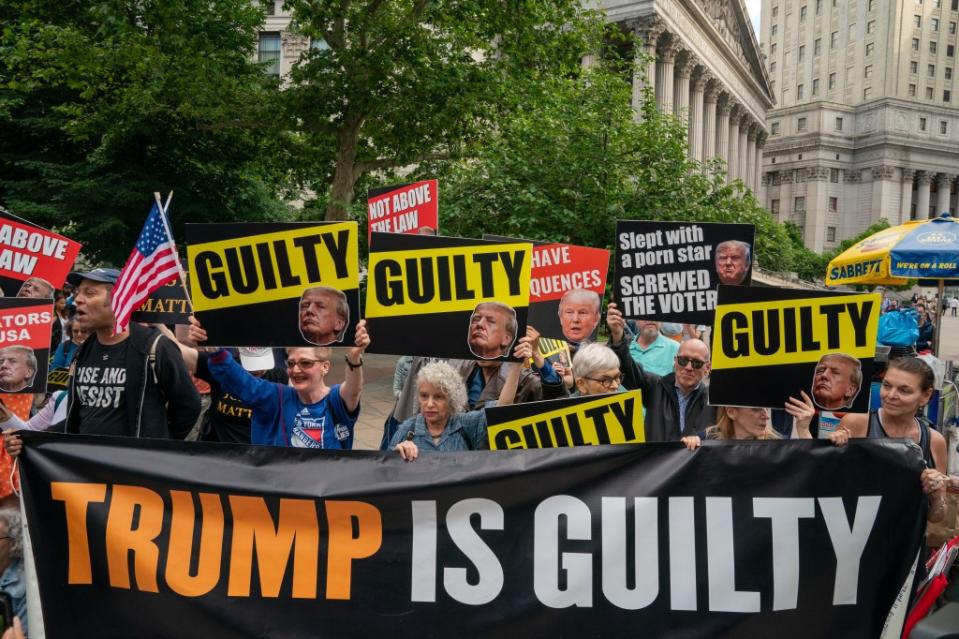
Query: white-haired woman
pixel 443 424
pixel 596 370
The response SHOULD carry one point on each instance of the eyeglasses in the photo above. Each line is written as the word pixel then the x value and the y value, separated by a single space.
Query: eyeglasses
pixel 608 382
pixel 682 361
pixel 304 364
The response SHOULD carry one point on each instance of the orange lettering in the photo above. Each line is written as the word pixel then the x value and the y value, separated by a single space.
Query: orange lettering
pixel 180 551
pixel 344 547
pixel 126 504
pixel 76 497
pixel 252 525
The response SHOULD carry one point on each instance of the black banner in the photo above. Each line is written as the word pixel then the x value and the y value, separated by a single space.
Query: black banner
pixel 669 271
pixel 151 538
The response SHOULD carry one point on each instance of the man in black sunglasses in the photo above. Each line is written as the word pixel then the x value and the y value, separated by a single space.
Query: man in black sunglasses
pixel 676 403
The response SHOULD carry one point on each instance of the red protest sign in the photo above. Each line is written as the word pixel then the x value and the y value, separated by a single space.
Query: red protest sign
pixel 406 208
pixel 28 251
pixel 558 268
pixel 25 326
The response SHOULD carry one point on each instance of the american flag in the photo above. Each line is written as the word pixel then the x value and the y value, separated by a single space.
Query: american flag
pixel 152 264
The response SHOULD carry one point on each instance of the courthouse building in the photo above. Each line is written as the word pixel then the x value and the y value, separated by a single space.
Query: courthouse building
pixel 705 66
pixel 865 124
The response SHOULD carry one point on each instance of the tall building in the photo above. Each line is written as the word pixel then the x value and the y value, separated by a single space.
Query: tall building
pixel 865 126
pixel 705 66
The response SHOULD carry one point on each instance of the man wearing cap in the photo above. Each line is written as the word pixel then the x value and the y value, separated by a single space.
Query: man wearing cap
pixel 133 384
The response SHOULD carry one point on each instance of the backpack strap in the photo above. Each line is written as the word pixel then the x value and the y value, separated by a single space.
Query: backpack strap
pixel 153 358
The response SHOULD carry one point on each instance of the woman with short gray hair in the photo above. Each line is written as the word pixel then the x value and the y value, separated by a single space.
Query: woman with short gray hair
pixel 443 424
pixel 596 370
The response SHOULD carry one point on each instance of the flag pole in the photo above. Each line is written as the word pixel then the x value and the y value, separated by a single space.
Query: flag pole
pixel 169 233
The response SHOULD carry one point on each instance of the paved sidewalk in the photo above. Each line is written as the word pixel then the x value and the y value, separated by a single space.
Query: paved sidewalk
pixel 377 399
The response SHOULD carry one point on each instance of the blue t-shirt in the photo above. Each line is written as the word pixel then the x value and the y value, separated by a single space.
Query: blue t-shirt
pixel 280 418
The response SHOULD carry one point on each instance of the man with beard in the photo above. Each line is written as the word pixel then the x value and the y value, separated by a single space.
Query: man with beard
pixel 653 350
pixel 836 381
pixel 676 404
pixel 324 315
pixel 492 330
pixel 733 259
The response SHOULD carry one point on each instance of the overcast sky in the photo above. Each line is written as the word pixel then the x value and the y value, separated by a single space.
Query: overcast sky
pixel 753 7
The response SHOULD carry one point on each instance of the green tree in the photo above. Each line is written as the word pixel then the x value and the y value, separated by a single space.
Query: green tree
pixel 389 84
pixel 572 159
pixel 104 102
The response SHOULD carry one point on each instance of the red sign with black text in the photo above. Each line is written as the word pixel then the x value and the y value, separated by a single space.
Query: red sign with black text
pixel 28 251
pixel 405 208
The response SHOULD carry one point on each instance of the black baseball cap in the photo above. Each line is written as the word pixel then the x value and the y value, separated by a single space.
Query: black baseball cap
pixel 107 275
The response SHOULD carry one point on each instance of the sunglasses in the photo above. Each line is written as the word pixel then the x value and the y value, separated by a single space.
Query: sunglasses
pixel 304 364
pixel 682 361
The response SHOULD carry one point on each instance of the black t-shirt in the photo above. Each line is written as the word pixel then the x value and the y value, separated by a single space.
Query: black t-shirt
pixel 101 389
pixel 228 418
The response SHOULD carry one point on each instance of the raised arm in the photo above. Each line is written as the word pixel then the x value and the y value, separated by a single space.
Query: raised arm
pixel 353 384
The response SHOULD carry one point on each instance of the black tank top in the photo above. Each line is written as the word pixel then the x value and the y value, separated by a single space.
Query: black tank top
pixel 876 431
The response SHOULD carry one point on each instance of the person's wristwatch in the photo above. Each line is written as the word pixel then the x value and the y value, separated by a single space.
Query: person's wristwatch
pixel 353 366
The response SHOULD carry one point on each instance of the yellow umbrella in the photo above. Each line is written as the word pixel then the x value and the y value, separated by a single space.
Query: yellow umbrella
pixel 921 249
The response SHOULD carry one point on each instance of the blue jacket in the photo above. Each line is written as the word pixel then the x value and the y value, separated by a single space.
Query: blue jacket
pixel 464 431
pixel 63 356
pixel 280 418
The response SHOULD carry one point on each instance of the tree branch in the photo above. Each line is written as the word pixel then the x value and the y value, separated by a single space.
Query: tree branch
pixel 418 9
pixel 392 163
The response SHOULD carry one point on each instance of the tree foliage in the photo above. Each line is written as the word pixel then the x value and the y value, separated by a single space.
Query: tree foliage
pixel 395 83
pixel 104 102
pixel 571 159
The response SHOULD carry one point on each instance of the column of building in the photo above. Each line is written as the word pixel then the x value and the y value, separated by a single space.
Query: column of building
pixel 744 169
pixel 905 198
pixel 817 204
pixel 883 189
pixel 760 189
pixel 722 126
pixel 943 192
pixel 732 157
pixel 665 67
pixel 648 32
pixel 697 114
pixel 922 195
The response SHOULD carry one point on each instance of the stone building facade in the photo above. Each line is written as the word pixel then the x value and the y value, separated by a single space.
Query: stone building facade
pixel 866 124
pixel 705 66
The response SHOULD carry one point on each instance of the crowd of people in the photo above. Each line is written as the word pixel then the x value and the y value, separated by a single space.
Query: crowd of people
pixel 143 382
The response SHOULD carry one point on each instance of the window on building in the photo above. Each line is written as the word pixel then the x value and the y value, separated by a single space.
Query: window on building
pixel 799 204
pixel 801 124
pixel 834 176
pixel 818 7
pixel 912 90
pixel 269 53
pixel 934 24
pixel 870 26
pixel 772 67
pixel 775 11
pixel 817 46
pixel 955 5
pixel 949 73
pixel 269 6
pixel 947 96
pixel 774 207
pixel 832 81
pixel 915 44
pixel 815 86
pixel 802 13
pixel 918 1
pixel 774 30
pixel 936 4
pixel 801 54
pixel 913 67
pixel 943 127
pixel 931 70
pixel 916 22
pixel 922 124
pixel 839 124
pixel 830 233
pixel 932 47
pixel 834 40
pixel 866 93
pixel 872 5
pixel 833 204
pixel 867 71
pixel 799 92
pixel 772 49
pixel 952 28
pixel 950 50
pixel 870 48
pixel 774 128
pixel 928 93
